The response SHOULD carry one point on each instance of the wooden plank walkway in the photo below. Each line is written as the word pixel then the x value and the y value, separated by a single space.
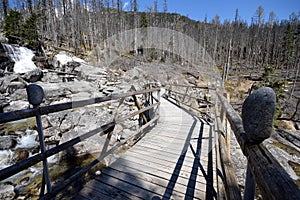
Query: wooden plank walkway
pixel 175 160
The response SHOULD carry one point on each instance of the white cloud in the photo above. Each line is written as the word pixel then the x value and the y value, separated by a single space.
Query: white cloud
pixel 126 4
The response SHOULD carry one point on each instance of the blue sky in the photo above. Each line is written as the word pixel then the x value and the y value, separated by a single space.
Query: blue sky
pixel 197 9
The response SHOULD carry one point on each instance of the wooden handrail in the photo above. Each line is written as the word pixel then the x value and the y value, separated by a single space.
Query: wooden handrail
pixel 16 168
pixel 273 181
pixel 32 112
pixel 193 86
pixel 193 97
pixel 230 180
pixel 79 173
pixel 184 95
pixel 35 96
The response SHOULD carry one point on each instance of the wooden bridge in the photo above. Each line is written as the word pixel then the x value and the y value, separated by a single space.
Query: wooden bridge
pixel 180 151
pixel 176 160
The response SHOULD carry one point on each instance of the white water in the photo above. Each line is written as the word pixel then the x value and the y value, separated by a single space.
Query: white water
pixel 28 141
pixel 22 57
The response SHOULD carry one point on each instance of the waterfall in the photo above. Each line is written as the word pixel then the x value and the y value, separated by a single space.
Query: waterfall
pixel 22 57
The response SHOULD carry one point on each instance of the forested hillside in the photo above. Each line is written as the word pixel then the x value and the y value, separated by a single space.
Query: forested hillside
pixel 82 25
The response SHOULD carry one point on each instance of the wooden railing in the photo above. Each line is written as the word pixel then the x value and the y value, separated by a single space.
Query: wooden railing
pixel 35 97
pixel 195 98
pixel 263 169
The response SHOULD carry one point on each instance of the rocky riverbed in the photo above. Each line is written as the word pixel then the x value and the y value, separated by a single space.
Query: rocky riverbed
pixel 66 78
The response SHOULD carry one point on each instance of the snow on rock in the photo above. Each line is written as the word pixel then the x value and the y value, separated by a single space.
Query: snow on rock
pixel 63 58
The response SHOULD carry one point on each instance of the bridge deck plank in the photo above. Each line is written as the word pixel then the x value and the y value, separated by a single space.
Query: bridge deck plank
pixel 175 160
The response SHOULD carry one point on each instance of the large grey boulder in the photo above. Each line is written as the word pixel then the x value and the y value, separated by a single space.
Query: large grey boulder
pixel 33 76
pixel 258 114
pixel 6 63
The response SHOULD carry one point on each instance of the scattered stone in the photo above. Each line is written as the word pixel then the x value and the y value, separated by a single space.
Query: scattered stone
pixel 7 142
pixel 15 85
pixel 45 122
pixel 53 140
pixel 70 121
pixel 7 192
pixel 5 82
pixel 258 114
pixel 51 131
pixel 33 76
pixel 16 105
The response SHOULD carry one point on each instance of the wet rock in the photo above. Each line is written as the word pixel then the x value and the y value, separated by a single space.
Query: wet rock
pixel 33 76
pixel 7 192
pixel 258 114
pixel 6 63
pixel 6 81
pixel 7 142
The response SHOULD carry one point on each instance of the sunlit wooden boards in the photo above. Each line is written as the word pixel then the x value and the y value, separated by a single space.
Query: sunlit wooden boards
pixel 175 160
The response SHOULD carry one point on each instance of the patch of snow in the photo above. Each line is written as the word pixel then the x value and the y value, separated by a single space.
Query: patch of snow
pixel 63 58
pixel 52 159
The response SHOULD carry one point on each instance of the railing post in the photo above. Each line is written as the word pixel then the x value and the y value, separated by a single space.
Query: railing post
pixel 228 129
pixel 35 94
pixel 186 92
pixel 158 97
pixel 258 117
pixel 250 185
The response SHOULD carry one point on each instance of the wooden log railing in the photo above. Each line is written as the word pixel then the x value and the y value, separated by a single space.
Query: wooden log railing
pixel 35 97
pixel 206 95
pixel 201 95
pixel 263 169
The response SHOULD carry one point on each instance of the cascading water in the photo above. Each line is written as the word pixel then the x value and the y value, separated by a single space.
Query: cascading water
pixel 22 57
